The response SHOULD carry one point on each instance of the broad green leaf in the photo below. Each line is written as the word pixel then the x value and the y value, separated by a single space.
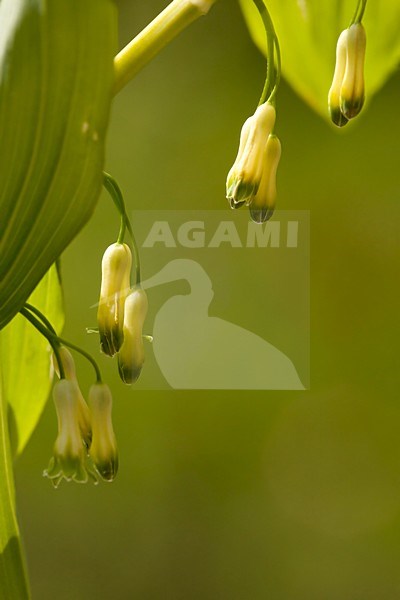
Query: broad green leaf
pixel 308 32
pixel 56 78
pixel 13 580
pixel 25 362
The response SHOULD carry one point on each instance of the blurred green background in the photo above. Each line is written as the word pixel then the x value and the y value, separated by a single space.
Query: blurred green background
pixel 239 496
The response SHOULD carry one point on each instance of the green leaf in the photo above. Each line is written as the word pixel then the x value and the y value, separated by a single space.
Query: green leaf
pixel 13 578
pixel 25 362
pixel 56 79
pixel 308 32
pixel 25 382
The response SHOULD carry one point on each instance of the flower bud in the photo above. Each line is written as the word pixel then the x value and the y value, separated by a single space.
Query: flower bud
pixel 131 355
pixel 103 451
pixel 68 459
pixel 245 175
pixel 83 409
pixel 334 93
pixel 352 90
pixel 115 283
pixel 263 203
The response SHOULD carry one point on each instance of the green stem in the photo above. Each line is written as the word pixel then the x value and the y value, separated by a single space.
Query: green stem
pixel 147 44
pixel 122 229
pixel 52 339
pixel 278 70
pixel 41 316
pixel 52 335
pixel 114 190
pixel 86 355
pixel 273 71
pixel 13 575
pixel 359 12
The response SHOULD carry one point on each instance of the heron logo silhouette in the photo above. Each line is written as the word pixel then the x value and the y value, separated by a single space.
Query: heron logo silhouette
pixel 197 351
pixel 228 300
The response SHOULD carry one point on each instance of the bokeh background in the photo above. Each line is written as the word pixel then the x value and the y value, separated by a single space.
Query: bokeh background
pixel 239 495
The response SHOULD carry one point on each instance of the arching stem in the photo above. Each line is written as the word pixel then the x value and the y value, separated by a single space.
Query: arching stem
pixel 147 44
pixel 114 190
pixel 52 339
pixel 359 12
pixel 49 332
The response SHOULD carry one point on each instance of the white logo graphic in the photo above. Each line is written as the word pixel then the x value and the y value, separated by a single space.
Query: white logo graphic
pixel 197 351
pixel 228 300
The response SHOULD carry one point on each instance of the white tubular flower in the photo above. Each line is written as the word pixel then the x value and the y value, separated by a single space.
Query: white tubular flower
pixel 352 92
pixel 116 266
pixel 103 451
pixel 83 409
pixel 68 460
pixel 231 180
pixel 131 356
pixel 334 93
pixel 263 204
pixel 245 175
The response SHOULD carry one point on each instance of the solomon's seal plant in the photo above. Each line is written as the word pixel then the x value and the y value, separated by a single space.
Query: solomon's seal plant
pixel 58 74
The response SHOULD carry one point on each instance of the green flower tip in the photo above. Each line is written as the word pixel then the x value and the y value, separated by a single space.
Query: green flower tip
pixel 115 284
pixel 337 117
pixel 260 215
pixel 73 459
pixel 131 356
pixel 238 191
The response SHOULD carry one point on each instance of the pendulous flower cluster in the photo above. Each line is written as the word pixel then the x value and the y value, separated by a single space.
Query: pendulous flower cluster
pixel 252 178
pixel 346 95
pixel 85 447
pixel 121 313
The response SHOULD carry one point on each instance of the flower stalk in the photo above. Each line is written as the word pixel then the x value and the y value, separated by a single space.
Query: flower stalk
pixel 273 56
pixel 115 192
pixel 49 332
pixel 163 29
pixel 359 12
